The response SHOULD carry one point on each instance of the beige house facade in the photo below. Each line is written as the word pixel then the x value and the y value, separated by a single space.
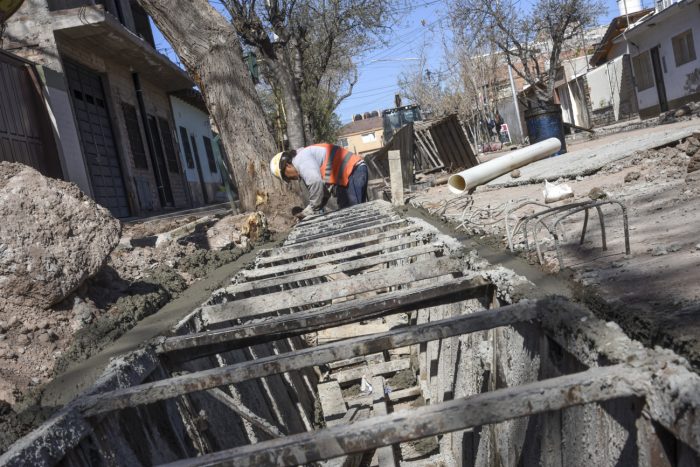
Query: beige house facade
pixel 363 136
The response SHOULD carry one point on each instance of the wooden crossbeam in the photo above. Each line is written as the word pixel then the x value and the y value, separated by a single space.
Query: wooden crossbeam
pixel 317 250
pixel 342 216
pixel 385 453
pixel 377 369
pixel 192 346
pixel 261 273
pixel 352 211
pixel 376 358
pixel 328 269
pixel 339 224
pixel 313 356
pixel 348 229
pixel 244 412
pixel 314 294
pixel 413 391
pixel 330 396
pixel 335 239
pixel 594 385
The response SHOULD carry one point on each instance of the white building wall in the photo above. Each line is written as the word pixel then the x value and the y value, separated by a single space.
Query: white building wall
pixel 675 78
pixel 197 125
pixel 599 85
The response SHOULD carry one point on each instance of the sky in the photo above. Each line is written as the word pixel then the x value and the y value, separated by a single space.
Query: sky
pixel 419 29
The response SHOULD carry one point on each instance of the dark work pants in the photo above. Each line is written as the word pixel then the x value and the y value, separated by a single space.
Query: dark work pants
pixel 356 191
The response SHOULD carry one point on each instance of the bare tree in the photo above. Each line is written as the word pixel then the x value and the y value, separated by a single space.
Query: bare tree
pixel 307 47
pixel 467 85
pixel 531 42
pixel 208 47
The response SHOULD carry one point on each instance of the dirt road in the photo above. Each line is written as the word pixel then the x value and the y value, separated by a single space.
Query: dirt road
pixel 654 292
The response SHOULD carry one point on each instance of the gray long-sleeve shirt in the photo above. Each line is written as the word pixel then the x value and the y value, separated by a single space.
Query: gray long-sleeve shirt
pixel 308 163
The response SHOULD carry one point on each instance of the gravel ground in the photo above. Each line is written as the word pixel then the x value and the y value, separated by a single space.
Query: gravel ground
pixel 654 292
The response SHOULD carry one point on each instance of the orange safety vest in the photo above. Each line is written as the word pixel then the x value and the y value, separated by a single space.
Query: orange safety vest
pixel 338 164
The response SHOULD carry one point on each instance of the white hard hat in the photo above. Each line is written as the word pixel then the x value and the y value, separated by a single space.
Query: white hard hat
pixel 275 166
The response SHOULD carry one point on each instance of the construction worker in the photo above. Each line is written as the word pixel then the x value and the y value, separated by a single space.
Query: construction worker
pixel 325 169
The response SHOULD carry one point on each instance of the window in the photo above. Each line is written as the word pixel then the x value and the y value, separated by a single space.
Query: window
pixel 683 47
pixel 643 72
pixel 186 147
pixel 368 138
pixel 133 131
pixel 170 153
pixel 195 149
pixel 343 142
pixel 210 154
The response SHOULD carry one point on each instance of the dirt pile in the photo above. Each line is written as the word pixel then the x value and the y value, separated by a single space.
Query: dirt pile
pixel 52 238
pixel 136 280
pixel 685 112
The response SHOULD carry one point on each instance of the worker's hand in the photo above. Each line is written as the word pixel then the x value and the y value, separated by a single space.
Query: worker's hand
pixel 308 211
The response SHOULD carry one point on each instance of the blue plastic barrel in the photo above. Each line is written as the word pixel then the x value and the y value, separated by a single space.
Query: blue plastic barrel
pixel 545 122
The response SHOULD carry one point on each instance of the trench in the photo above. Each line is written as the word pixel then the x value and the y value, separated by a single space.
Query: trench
pixel 370 337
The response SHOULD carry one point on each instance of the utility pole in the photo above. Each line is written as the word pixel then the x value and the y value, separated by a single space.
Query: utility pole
pixel 515 101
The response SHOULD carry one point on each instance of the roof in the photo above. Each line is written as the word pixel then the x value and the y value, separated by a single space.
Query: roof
pixel 661 15
pixel 192 97
pixel 362 126
pixel 617 26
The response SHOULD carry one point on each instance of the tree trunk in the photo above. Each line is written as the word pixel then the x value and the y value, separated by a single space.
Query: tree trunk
pixel 208 47
pixel 292 104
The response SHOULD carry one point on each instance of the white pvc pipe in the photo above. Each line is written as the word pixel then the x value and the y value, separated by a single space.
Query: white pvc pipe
pixel 467 179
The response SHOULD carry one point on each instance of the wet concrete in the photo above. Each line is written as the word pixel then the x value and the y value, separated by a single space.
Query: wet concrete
pixel 487 248
pixel 81 375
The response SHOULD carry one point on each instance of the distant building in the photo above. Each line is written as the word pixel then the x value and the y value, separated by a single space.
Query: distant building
pixel 199 149
pixel 107 88
pixel 664 49
pixel 363 136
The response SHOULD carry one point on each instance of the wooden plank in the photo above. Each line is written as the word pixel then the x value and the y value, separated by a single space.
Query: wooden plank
pixel 328 269
pixel 332 403
pixel 594 385
pixel 348 255
pixel 332 242
pixel 377 369
pixel 396 178
pixel 451 141
pixel 461 144
pixel 385 454
pixel 326 228
pixel 413 391
pixel 427 150
pixel 192 346
pixel 358 209
pixel 350 229
pixel 439 138
pixel 333 246
pixel 376 358
pixel 244 412
pixel 313 356
pixel 315 294
pixel 344 217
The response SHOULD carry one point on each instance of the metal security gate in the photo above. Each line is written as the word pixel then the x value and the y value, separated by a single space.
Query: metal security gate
pixel 97 139
pixel 25 131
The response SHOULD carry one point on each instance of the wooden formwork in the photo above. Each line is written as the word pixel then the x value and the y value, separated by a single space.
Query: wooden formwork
pixel 345 268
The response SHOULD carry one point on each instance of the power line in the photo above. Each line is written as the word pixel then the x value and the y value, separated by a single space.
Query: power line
pixel 401 45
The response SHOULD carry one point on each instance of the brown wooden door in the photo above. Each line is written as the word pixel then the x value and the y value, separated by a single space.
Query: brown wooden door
pixel 25 130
